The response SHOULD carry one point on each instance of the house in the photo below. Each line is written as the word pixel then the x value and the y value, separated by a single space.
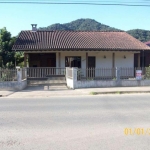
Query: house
pixel 147 43
pixel 82 49
pixel 147 56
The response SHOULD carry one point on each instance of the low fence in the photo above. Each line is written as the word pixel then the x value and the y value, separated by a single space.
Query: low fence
pixel 8 75
pixel 107 77
pixel 44 72
pixel 13 79
pixel 96 74
pixel 111 73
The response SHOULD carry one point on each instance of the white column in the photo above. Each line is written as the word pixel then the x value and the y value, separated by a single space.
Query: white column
pixel 74 74
pixel 19 74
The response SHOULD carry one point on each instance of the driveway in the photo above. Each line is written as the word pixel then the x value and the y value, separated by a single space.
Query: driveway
pixel 75 123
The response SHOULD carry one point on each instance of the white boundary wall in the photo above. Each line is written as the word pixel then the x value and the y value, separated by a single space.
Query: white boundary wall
pixel 14 85
pixel 74 84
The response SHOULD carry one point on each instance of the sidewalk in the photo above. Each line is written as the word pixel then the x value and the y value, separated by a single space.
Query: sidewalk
pixel 45 92
pixel 6 93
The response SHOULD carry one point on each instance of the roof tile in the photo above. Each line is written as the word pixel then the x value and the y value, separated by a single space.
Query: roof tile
pixel 77 40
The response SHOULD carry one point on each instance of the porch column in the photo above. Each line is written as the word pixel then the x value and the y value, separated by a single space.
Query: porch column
pixel 113 65
pixel 113 60
pixel 59 59
pixel 25 60
pixel 86 64
pixel 138 59
pixel 86 60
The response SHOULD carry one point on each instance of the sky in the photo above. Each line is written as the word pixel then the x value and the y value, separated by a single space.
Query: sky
pixel 17 17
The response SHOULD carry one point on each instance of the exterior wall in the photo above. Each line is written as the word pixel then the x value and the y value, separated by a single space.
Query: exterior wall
pixel 102 62
pixel 120 61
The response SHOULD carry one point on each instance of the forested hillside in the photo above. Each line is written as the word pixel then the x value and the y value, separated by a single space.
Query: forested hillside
pixel 92 25
pixel 80 25
pixel 142 35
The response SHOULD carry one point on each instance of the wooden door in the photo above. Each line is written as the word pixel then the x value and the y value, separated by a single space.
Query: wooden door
pixel 91 66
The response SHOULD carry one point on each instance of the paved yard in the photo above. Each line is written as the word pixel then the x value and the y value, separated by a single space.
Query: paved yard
pixel 75 123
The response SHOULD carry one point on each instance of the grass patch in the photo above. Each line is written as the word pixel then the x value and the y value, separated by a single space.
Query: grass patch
pixel 93 93
pixel 118 92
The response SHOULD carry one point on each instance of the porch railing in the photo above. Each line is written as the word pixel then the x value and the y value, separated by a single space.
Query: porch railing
pixel 44 72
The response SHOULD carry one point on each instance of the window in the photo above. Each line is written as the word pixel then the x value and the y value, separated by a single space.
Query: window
pixel 73 61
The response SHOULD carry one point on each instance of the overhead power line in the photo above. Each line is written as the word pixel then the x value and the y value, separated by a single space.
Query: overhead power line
pixel 106 3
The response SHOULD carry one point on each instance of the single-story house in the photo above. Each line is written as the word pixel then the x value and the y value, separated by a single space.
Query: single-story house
pixel 82 49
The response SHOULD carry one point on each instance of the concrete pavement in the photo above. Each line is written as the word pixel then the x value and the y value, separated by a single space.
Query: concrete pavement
pixel 6 93
pixel 62 90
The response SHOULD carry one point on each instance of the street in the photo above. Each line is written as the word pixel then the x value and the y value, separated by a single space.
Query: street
pixel 101 122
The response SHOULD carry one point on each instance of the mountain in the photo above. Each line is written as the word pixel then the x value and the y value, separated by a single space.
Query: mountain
pixel 142 35
pixel 93 25
pixel 80 25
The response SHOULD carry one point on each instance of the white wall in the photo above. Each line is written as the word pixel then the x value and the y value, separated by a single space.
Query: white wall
pixel 127 62
pixel 101 62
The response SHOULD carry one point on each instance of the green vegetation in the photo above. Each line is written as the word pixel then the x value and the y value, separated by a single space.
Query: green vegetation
pixel 147 72
pixel 118 92
pixel 142 35
pixel 7 56
pixel 81 25
pixel 93 93
pixel 92 25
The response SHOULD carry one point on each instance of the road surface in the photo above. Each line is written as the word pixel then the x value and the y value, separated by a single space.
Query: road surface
pixel 108 122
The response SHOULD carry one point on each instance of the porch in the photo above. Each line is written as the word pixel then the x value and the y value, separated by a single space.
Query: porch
pixel 83 59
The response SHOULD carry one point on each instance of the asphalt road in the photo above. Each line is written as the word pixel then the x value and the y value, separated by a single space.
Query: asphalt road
pixel 111 122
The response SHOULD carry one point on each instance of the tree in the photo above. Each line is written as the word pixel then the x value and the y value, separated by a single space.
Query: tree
pixel 6 53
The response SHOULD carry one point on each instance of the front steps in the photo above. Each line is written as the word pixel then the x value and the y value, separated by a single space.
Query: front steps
pixel 52 80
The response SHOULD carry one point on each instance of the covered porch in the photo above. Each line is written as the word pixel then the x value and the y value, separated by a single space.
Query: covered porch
pixel 83 59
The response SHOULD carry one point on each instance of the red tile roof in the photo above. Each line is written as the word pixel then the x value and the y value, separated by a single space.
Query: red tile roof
pixel 147 43
pixel 77 40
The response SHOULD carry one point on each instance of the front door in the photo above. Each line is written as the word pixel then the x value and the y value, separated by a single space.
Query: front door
pixel 91 66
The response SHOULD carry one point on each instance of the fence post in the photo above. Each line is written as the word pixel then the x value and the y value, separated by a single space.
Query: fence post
pixel 25 72
pixel 74 75
pixel 19 74
pixel 66 73
pixel 118 76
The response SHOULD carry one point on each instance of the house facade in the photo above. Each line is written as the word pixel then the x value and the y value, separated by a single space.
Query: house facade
pixel 146 56
pixel 82 49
